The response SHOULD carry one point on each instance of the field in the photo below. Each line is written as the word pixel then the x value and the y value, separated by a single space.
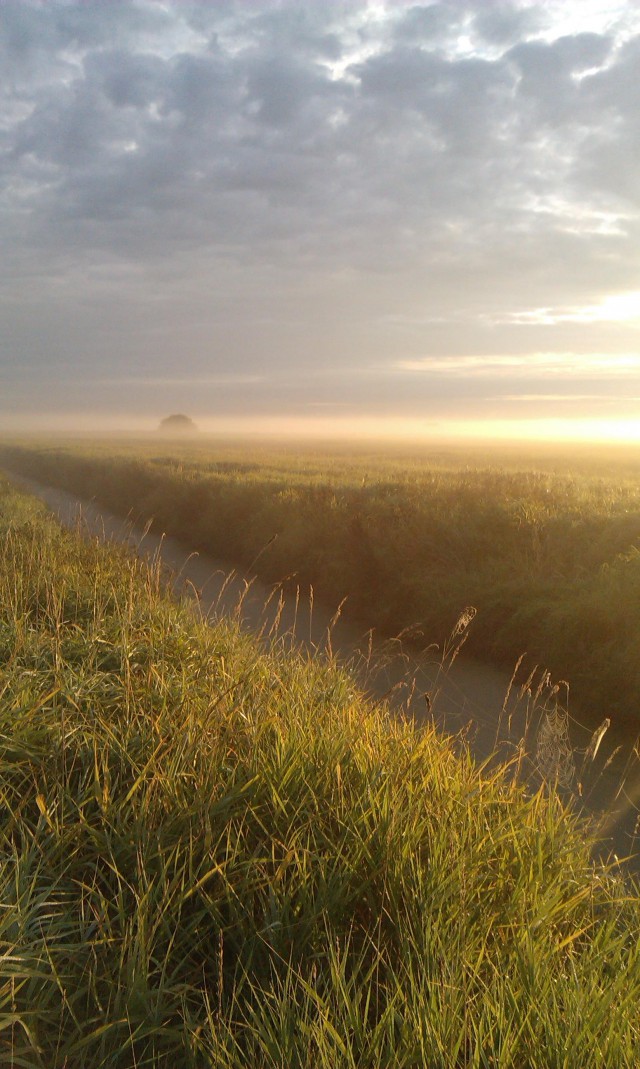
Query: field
pixel 545 546
pixel 220 856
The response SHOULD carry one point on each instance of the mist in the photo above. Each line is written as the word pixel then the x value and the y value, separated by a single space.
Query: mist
pixel 399 430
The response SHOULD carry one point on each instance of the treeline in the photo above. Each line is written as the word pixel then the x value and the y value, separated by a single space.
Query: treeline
pixel 550 562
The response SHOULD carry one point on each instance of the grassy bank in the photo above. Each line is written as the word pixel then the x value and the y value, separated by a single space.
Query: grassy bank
pixel 217 857
pixel 549 557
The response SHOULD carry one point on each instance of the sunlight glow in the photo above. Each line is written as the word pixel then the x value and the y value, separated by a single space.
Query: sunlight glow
pixel 615 308
pixel 402 429
pixel 345 428
pixel 557 364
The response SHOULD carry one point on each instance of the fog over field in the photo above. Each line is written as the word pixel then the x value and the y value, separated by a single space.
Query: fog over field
pixel 385 219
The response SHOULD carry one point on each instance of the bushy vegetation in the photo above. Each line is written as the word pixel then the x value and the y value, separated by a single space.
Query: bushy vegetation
pixel 548 553
pixel 214 856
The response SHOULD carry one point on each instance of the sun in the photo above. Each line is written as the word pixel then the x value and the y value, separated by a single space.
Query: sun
pixel 621 307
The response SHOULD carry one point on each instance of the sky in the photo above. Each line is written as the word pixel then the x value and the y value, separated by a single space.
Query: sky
pixel 364 217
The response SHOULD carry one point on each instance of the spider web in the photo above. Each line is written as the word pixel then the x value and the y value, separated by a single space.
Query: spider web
pixel 554 756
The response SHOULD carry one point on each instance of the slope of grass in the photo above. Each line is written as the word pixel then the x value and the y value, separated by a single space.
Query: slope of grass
pixel 550 559
pixel 214 856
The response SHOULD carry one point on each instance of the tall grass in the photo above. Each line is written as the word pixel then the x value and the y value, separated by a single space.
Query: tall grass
pixel 550 559
pixel 214 856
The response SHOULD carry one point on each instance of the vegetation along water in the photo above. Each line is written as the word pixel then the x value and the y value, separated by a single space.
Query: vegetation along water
pixel 546 548
pixel 219 855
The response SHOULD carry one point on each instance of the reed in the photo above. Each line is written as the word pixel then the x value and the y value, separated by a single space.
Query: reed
pixel 219 856
pixel 547 552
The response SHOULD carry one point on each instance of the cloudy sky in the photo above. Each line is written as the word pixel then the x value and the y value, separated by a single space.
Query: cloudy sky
pixel 337 214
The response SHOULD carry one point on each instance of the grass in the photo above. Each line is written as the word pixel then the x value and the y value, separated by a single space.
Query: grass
pixel 546 548
pixel 217 856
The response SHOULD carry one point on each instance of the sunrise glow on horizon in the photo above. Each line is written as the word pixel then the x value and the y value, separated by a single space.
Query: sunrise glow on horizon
pixel 395 219
pixel 357 429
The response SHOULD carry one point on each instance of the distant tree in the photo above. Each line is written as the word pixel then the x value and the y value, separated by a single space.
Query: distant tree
pixel 177 424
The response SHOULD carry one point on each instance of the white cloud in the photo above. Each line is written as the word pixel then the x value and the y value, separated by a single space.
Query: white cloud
pixel 614 308
pixel 554 365
pixel 571 398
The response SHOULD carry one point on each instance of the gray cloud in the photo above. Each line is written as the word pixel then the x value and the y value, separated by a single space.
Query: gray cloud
pixel 255 186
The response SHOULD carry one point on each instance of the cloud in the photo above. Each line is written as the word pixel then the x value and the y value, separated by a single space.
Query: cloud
pixel 614 308
pixel 283 185
pixel 552 365
pixel 571 398
pixel 175 380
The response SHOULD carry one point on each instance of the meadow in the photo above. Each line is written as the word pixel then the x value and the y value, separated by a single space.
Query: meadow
pixel 544 544
pixel 216 855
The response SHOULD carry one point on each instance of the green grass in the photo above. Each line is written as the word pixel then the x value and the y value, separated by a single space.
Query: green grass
pixel 547 548
pixel 216 856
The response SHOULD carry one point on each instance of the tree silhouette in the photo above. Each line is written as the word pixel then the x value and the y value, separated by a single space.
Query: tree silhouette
pixel 177 424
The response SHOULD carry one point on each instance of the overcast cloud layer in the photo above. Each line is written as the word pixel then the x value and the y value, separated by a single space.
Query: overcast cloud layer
pixel 419 211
